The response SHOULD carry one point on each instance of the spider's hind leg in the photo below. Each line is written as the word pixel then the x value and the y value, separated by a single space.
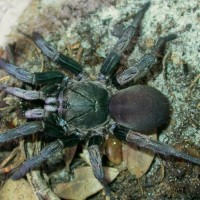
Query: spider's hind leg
pixel 156 146
pixel 143 66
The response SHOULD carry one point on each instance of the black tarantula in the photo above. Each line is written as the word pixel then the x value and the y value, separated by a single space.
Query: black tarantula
pixel 76 110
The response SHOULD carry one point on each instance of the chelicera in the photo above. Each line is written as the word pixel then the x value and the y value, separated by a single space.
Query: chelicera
pixel 80 109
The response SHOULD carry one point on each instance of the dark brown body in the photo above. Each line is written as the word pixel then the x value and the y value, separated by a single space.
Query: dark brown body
pixel 140 108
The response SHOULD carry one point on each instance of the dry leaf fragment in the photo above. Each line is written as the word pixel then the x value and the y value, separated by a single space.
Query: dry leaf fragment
pixel 114 150
pixel 69 155
pixel 138 160
pixel 17 190
pixel 84 184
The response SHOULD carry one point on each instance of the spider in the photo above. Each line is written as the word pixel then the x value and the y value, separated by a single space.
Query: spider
pixel 79 109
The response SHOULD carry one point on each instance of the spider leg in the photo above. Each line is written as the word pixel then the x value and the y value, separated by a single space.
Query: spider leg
pixel 25 94
pixel 58 145
pixel 38 113
pixel 35 161
pixel 142 67
pixel 32 78
pixel 113 58
pixel 96 161
pixel 156 146
pixel 64 61
pixel 23 130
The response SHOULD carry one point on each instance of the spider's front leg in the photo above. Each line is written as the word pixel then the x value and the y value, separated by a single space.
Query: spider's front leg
pixel 96 161
pixel 58 145
pixel 32 78
pixel 54 80
pixel 115 55
pixel 64 61
pixel 25 94
pixel 35 161
pixel 143 66
pixel 28 128
pixel 156 146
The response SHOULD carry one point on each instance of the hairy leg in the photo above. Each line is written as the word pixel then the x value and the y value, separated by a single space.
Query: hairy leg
pixel 143 66
pixel 115 55
pixel 156 146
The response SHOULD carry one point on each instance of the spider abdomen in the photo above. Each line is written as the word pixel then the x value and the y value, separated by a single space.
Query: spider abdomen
pixel 140 108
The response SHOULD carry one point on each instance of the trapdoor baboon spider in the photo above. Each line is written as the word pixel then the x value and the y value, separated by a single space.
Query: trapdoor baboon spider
pixel 81 109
